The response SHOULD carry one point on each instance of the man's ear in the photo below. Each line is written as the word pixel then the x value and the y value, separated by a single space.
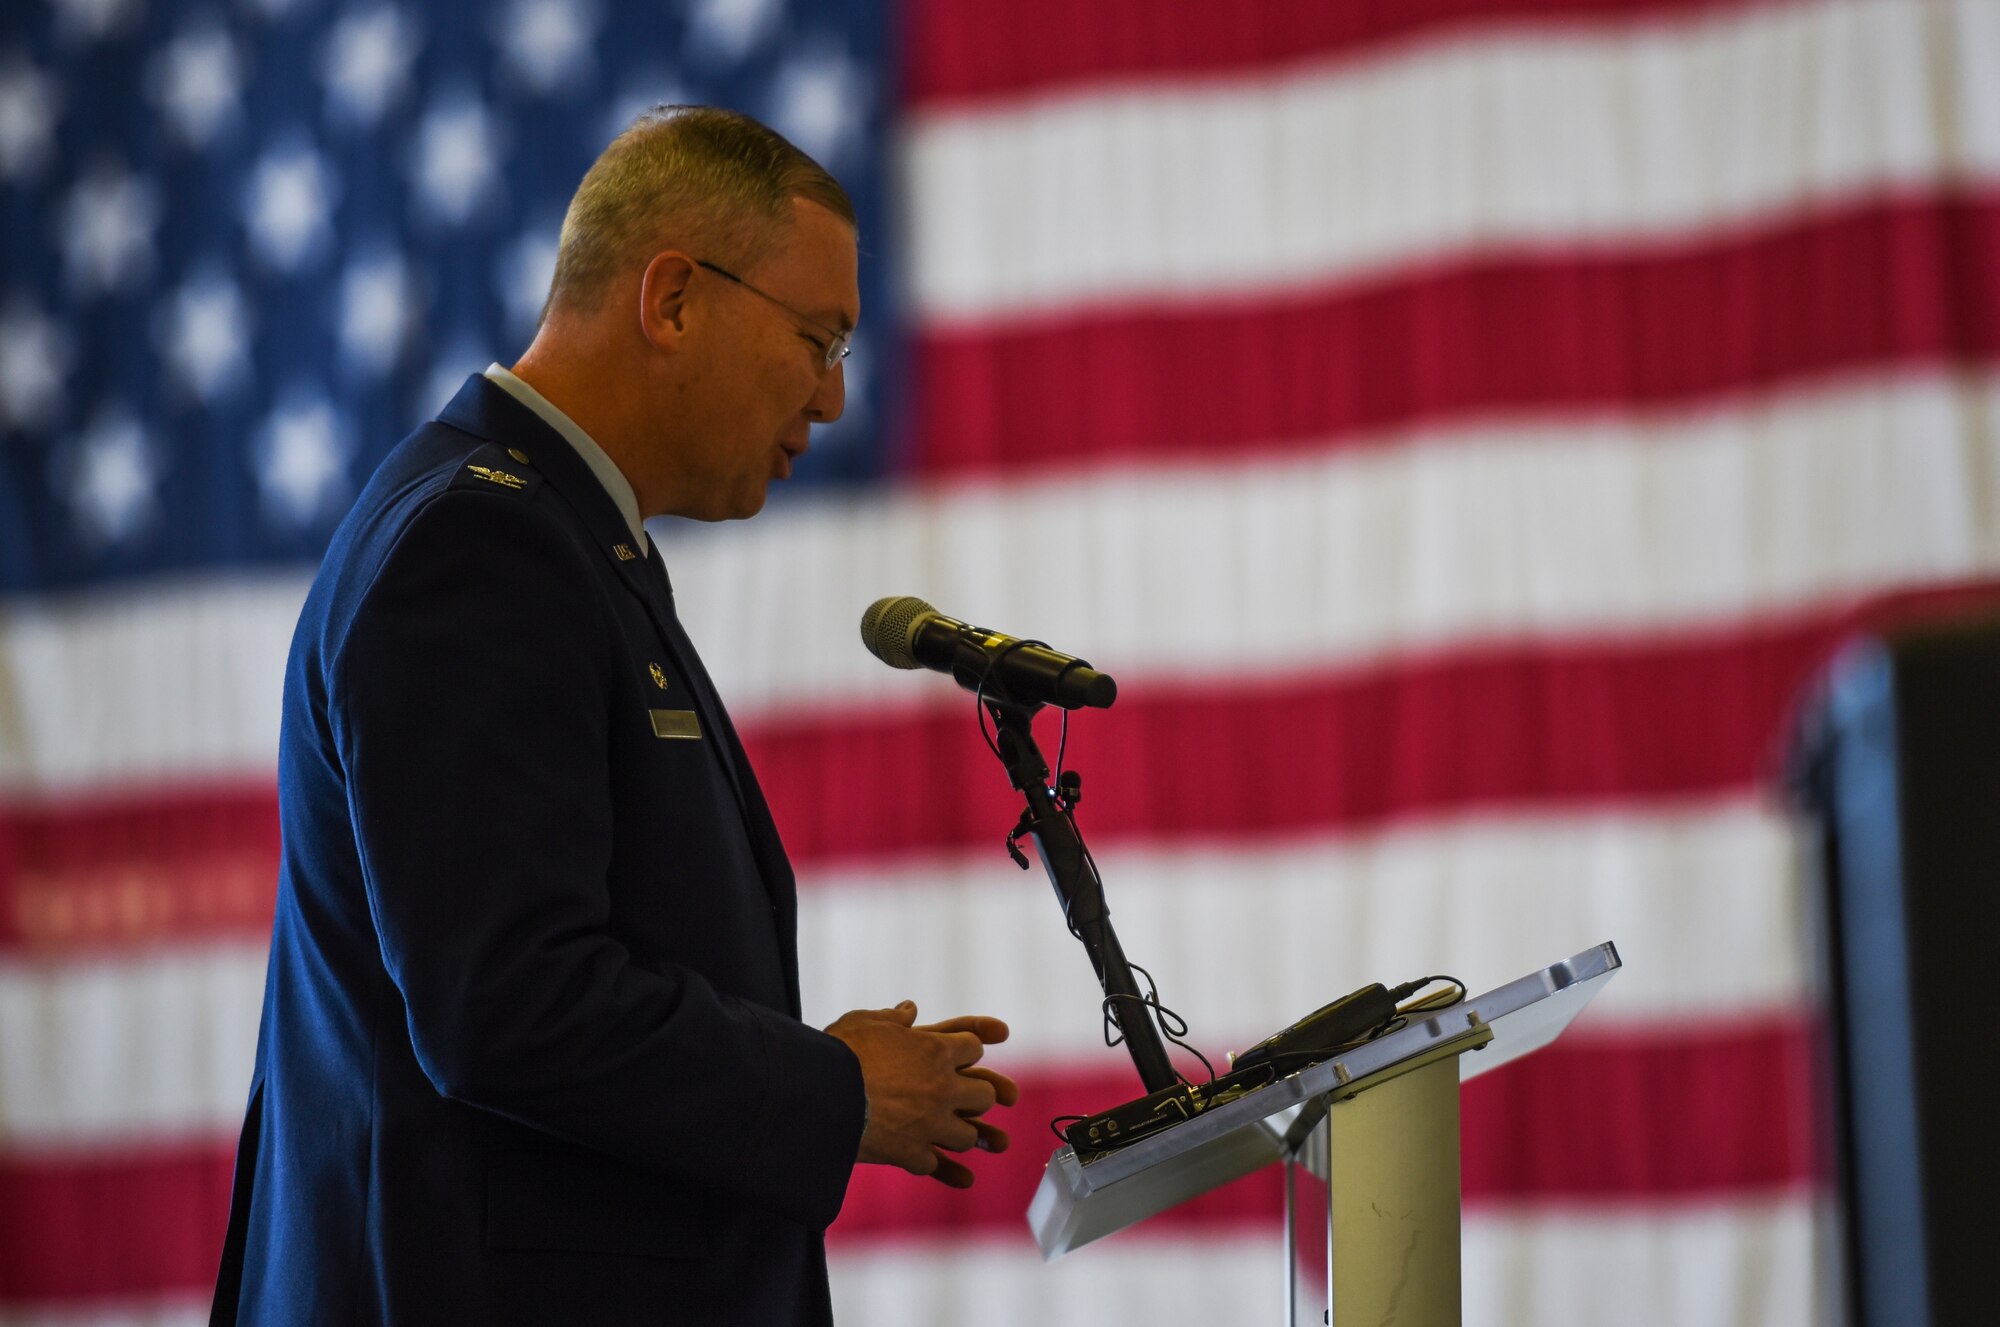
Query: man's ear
pixel 663 297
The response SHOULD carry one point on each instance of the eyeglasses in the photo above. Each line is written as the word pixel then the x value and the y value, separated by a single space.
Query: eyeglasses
pixel 838 344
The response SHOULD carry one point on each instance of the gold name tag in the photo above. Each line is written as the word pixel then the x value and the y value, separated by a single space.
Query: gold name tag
pixel 676 723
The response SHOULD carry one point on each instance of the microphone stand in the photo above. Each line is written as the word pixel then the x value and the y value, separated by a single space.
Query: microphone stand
pixel 1077 887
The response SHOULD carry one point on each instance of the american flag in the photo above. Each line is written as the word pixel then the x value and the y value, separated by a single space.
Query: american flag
pixel 1460 425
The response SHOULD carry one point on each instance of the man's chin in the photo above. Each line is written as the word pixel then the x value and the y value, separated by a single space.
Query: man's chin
pixel 749 504
pixel 738 506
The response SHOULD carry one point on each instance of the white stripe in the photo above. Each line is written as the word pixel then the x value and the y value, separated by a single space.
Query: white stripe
pixel 177 679
pixel 1566 134
pixel 1749 1263
pixel 169 1311
pixel 1726 1264
pixel 1449 536
pixel 131 1048
pixel 1529 529
pixel 1702 902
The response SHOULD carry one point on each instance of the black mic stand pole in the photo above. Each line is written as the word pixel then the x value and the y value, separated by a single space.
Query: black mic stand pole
pixel 1079 889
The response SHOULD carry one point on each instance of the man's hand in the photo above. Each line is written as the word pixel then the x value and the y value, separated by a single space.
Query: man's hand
pixel 926 1090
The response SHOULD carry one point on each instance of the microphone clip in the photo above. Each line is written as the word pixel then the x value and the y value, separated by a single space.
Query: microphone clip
pixel 1025 825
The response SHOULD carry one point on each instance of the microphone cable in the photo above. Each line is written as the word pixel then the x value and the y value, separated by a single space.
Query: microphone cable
pixel 1066 793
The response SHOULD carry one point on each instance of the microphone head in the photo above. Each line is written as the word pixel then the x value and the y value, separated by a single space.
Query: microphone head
pixel 889 628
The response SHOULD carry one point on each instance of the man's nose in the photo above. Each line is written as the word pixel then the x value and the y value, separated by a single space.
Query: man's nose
pixel 830 398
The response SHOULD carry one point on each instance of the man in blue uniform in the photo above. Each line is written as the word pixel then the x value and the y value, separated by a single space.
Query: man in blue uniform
pixel 531 1048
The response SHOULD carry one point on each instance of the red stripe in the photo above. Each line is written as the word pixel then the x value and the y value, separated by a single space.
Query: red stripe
pixel 1888 283
pixel 1707 1111
pixel 138 868
pixel 1560 724
pixel 1672 1115
pixel 100 1226
pixel 958 52
pixel 1547 725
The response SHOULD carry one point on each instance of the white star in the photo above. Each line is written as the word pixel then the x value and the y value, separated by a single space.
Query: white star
pixel 110 477
pixel 724 31
pixel 521 274
pixel 301 458
pixel 196 81
pixel 287 203
pixel 376 302
pixel 818 100
pixel 91 20
pixel 34 357
pixel 105 228
pixel 366 62
pixel 454 160
pixel 202 334
pixel 29 103
pixel 547 42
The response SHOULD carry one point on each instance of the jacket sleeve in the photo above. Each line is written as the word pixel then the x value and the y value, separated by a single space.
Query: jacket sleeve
pixel 468 707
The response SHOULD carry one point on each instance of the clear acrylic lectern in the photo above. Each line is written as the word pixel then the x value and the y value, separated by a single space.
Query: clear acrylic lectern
pixel 1378 1123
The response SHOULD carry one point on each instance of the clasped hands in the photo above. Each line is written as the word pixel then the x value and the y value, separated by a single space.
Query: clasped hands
pixel 927 1092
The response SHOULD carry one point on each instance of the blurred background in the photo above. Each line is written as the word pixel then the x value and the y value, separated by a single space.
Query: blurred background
pixel 1462 426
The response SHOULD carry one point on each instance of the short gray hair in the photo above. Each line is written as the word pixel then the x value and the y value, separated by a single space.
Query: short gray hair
pixel 711 181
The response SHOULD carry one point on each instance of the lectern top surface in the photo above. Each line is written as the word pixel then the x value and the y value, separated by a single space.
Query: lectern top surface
pixel 1082 1201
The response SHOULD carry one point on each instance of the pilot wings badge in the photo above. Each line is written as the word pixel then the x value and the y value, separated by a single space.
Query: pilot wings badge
pixel 500 477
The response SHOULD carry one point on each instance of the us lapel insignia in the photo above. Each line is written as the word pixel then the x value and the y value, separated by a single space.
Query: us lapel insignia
pixel 659 675
pixel 676 723
pixel 624 552
pixel 500 477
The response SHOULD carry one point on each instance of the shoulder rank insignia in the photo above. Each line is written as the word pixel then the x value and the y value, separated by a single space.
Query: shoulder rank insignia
pixel 500 477
pixel 659 676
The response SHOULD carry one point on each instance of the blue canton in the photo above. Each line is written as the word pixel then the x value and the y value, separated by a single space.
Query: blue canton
pixel 248 247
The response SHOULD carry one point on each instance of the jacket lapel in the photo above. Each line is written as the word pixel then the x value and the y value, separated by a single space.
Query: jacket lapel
pixel 769 849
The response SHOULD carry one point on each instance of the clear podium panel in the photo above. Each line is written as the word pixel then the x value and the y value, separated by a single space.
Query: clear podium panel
pixel 1080 1201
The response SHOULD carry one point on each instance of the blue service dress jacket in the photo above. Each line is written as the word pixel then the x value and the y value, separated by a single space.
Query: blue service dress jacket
pixel 531 1049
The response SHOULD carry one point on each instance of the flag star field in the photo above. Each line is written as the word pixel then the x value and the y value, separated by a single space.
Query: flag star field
pixel 217 217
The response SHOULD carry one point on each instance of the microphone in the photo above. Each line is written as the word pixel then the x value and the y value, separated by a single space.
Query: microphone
pixel 905 632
